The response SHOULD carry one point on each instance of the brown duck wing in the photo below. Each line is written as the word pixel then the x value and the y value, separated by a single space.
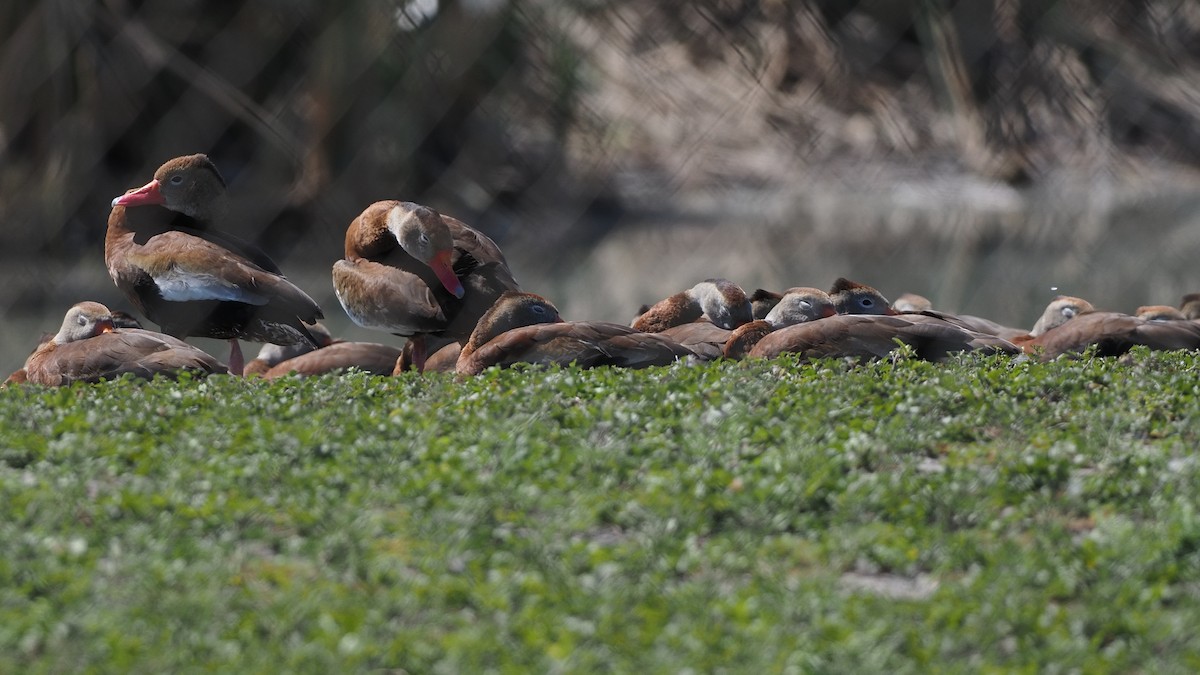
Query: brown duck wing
pixel 386 298
pixel 149 221
pixel 584 343
pixel 374 358
pixel 110 355
pixel 544 344
pixel 640 350
pixel 866 336
pixel 1168 335
pixel 1111 332
pixel 835 336
pixel 443 360
pixel 186 268
pixel 474 243
pixel 934 337
pixel 704 338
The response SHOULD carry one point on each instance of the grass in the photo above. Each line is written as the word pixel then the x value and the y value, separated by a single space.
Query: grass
pixel 978 516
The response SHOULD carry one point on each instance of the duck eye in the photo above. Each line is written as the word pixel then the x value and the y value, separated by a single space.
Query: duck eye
pixel 539 309
pixel 177 179
pixel 804 304
pixel 867 302
pixel 81 320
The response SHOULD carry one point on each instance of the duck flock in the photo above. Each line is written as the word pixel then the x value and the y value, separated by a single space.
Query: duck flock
pixel 412 272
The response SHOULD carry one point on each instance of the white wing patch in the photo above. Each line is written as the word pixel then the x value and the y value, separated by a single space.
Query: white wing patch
pixel 178 286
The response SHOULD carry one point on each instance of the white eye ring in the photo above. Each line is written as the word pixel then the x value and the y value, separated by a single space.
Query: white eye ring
pixel 867 302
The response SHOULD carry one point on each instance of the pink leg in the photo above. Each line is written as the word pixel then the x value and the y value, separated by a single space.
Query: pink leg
pixel 236 361
pixel 418 352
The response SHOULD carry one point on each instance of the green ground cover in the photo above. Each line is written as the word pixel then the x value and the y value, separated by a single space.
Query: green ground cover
pixel 983 515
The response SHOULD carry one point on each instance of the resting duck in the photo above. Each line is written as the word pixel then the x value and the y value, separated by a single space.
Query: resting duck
pixel 724 307
pixel 1190 306
pixel 876 336
pixel 762 301
pixel 911 302
pixel 1159 313
pixel 526 328
pixel 120 319
pixel 705 339
pixel 1112 334
pixel 854 298
pixel 411 271
pixel 87 348
pixel 164 254
pixel 795 305
pixel 272 355
pixel 370 357
pixel 1061 309
pixel 720 301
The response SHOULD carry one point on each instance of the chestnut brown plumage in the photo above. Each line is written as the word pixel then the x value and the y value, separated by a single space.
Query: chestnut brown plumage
pixel 1113 334
pixel 164 252
pixel 411 271
pixel 796 305
pixel 867 336
pixel 526 328
pixel 272 355
pixel 850 297
pixel 370 357
pixel 719 301
pixel 87 348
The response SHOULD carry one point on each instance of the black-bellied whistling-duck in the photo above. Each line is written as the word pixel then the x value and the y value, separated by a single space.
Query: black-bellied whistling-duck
pixel 120 319
pixel 272 355
pixel 1159 313
pixel 762 301
pixel 164 253
pixel 88 349
pixel 911 302
pixel 411 271
pixel 705 339
pixel 1112 334
pixel 526 328
pixel 1190 306
pixel 370 357
pixel 1061 309
pixel 850 297
pixel 723 306
pixel 875 336
pixel 720 301
pixel 795 305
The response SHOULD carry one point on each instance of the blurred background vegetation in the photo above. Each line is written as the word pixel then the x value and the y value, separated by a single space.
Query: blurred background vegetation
pixel 979 152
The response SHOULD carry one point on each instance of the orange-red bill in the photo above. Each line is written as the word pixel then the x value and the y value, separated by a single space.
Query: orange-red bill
pixel 145 195
pixel 445 273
